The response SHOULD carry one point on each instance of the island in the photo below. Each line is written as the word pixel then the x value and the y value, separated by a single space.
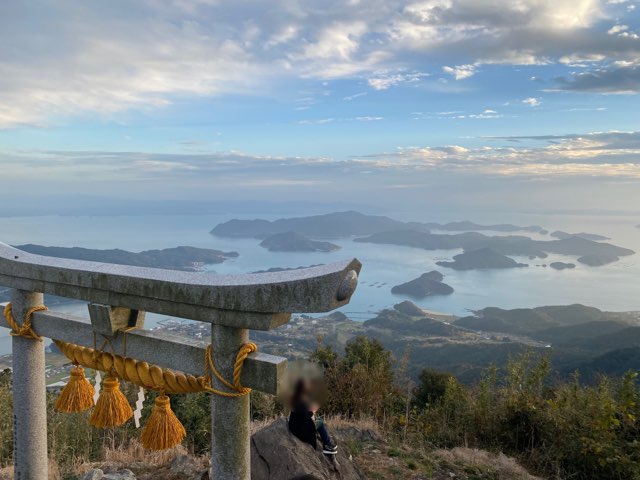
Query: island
pixel 475 227
pixel 562 265
pixel 177 258
pixel 331 225
pixel 426 285
pixel 598 259
pixel 347 224
pixel 295 242
pixel 484 258
pixel 588 236
pixel 503 244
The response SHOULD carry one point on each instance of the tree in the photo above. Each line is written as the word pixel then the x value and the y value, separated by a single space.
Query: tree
pixel 368 352
pixel 432 386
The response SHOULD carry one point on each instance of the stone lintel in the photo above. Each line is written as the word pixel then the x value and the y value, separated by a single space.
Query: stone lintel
pixel 238 319
pixel 194 295
pixel 262 372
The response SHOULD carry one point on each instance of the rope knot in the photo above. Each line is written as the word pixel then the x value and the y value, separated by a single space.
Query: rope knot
pixel 236 386
pixel 25 329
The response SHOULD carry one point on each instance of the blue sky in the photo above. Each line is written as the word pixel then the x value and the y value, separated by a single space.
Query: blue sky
pixel 476 104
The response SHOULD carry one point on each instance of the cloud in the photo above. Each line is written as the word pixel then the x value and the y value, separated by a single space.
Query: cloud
pixel 619 78
pixel 617 29
pixel 461 71
pixel 348 98
pixel 531 101
pixel 486 171
pixel 385 80
pixel 108 57
pixel 322 121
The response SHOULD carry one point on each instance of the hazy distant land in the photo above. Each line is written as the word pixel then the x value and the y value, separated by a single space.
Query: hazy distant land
pixel 588 236
pixel 295 242
pixel 480 250
pixel 562 265
pixel 598 259
pixel 576 336
pixel 346 224
pixel 177 258
pixel 481 259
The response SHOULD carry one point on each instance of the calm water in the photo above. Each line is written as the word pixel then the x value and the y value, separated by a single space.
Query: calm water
pixel 612 287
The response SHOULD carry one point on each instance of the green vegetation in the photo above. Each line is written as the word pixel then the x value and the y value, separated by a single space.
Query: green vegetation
pixel 559 430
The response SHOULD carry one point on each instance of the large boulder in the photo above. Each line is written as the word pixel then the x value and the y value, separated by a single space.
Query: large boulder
pixel 276 454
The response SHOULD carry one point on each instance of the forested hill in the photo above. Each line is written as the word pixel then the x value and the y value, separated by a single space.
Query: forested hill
pixel 345 224
pixel 177 258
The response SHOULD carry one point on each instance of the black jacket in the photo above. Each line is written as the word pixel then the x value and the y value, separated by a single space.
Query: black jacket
pixel 302 425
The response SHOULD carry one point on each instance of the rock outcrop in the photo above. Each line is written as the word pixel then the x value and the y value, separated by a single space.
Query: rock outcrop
pixel 278 455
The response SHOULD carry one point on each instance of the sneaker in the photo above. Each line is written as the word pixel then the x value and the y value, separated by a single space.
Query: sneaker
pixel 330 449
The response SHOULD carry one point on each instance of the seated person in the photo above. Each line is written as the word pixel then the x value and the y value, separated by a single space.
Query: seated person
pixel 304 422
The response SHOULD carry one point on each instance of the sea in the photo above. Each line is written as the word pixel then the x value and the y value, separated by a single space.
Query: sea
pixel 613 287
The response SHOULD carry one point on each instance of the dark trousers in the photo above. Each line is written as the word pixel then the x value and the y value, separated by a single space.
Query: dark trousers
pixel 324 434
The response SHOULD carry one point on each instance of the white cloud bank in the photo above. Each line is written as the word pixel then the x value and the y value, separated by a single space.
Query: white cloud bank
pixel 63 58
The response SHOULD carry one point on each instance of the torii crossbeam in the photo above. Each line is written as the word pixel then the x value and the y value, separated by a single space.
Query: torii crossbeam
pixel 119 295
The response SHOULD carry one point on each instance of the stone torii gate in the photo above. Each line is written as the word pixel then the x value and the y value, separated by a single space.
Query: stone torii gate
pixel 118 296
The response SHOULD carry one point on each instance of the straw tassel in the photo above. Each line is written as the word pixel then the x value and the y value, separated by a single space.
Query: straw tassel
pixel 163 429
pixel 77 394
pixel 112 408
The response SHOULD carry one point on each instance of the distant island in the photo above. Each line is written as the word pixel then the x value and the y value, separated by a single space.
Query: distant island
pixel 426 285
pixel 474 227
pixel 482 258
pixel 505 244
pixel 177 258
pixel 347 224
pixel 598 259
pixel 295 242
pixel 562 265
pixel 283 269
pixel 588 236
pixel 277 235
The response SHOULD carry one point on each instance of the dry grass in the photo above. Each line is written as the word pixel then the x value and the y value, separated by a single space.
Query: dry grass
pixel 6 473
pixel 135 457
pixel 505 467
pixel 134 452
pixel 336 422
pixel 339 422
pixel 258 425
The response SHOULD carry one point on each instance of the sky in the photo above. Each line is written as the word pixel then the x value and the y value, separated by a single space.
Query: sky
pixel 453 105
